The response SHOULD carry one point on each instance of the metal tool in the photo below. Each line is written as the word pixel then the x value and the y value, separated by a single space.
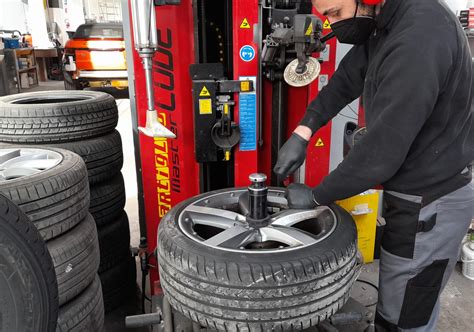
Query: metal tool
pixel 146 43
pixel 298 79
pixel 307 38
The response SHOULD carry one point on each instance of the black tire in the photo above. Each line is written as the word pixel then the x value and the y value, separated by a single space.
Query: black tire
pixel 76 259
pixel 56 116
pixel 29 294
pixel 69 83
pixel 56 199
pixel 107 200
pixel 103 155
pixel 85 312
pixel 237 290
pixel 119 283
pixel 114 242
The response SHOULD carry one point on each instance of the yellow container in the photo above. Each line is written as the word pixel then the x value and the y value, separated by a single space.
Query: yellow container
pixel 364 209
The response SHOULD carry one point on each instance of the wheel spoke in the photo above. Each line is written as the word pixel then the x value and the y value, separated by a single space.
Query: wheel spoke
pixel 6 155
pixel 289 218
pixel 291 236
pixel 203 215
pixel 234 237
pixel 15 173
pixel 244 203
pixel 16 163
pixel 39 164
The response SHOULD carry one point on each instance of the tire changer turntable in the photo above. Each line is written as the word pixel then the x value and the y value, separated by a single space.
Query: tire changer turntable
pixel 218 87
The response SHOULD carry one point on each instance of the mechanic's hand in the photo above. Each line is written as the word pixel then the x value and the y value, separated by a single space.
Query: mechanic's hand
pixel 291 156
pixel 300 196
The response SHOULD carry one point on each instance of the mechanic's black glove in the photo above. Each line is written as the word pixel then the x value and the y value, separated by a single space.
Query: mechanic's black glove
pixel 291 156
pixel 300 196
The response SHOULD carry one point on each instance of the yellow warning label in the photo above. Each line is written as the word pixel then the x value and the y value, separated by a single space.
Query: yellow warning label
pixel 245 86
pixel 327 25
pixel 204 92
pixel 245 24
pixel 319 143
pixel 205 106
pixel 309 31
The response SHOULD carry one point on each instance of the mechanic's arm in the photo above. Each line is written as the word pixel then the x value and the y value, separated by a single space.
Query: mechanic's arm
pixel 345 86
pixel 407 87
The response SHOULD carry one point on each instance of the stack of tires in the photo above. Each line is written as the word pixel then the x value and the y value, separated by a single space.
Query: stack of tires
pixel 82 122
pixel 50 186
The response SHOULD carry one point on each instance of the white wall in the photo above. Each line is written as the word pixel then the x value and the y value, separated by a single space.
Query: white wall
pixel 37 24
pixel 13 15
pixel 103 10
pixel 69 17
pixel 75 13
pixel 457 5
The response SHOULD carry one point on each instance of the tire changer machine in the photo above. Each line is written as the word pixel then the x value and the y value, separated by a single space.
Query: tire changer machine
pixel 216 88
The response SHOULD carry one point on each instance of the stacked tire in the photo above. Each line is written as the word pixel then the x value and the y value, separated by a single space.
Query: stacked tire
pixel 28 287
pixel 82 122
pixel 50 186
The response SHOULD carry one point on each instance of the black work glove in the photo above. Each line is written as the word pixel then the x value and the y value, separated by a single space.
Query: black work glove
pixel 300 196
pixel 291 156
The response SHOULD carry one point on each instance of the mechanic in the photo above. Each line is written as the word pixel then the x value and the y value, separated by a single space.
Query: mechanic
pixel 412 66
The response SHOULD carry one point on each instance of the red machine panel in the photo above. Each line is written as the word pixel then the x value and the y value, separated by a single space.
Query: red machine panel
pixel 169 170
pixel 319 151
pixel 244 16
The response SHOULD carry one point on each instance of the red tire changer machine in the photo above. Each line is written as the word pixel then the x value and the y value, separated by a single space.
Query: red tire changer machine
pixel 216 88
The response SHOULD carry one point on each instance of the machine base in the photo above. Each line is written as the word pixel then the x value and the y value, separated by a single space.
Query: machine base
pixel 353 317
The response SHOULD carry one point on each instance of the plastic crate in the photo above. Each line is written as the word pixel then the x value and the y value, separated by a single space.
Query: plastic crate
pixel 11 43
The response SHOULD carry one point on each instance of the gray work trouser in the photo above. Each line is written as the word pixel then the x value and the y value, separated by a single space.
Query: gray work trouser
pixel 420 248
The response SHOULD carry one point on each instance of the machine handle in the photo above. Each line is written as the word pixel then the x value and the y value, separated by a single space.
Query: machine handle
pixel 143 320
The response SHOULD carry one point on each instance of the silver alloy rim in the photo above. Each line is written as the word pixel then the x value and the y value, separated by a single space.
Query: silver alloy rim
pixel 216 221
pixel 21 162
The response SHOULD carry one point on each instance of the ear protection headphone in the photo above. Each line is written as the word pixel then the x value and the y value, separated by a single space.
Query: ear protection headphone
pixel 371 2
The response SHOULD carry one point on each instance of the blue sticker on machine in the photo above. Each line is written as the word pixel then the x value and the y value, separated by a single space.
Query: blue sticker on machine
pixel 248 121
pixel 247 53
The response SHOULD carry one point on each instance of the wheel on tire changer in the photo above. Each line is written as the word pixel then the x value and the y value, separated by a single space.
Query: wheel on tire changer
pixel 287 276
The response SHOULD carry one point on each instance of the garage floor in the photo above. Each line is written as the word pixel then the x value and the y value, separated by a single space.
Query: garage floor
pixel 457 301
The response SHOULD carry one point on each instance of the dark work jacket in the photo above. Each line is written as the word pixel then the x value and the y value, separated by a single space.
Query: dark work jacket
pixel 415 76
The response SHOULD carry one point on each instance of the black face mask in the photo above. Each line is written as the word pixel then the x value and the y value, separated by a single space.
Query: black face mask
pixel 355 30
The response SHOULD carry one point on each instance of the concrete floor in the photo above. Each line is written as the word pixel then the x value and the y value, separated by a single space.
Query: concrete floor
pixel 457 300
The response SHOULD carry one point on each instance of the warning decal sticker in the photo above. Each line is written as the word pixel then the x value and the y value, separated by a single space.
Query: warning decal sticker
pixel 245 24
pixel 204 92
